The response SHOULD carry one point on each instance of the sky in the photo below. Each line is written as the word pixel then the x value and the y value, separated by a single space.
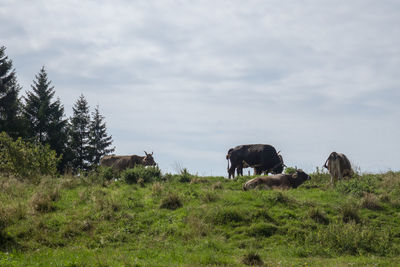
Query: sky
pixel 188 80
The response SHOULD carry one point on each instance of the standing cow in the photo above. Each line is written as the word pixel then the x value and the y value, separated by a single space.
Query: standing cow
pixel 339 166
pixel 120 163
pixel 263 158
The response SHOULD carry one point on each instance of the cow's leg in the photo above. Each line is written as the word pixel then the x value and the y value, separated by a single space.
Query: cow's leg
pixel 239 170
pixel 231 171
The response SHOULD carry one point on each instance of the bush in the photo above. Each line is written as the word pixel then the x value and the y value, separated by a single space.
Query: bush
pixel 185 176
pixel 26 160
pixel 147 174
pixel 106 173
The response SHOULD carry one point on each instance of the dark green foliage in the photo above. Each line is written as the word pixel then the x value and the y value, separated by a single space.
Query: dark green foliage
pixel 26 160
pixel 45 116
pixel 11 121
pixel 147 174
pixel 99 141
pixel 79 135
pixel 106 173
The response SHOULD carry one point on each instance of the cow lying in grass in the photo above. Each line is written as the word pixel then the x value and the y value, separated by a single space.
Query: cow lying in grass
pixel 283 181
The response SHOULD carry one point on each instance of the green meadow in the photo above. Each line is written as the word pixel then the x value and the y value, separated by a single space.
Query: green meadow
pixel 146 218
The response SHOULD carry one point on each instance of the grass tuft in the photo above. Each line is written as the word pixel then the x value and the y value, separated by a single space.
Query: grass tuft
pixel 350 213
pixel 371 202
pixel 252 259
pixel 172 202
pixel 318 216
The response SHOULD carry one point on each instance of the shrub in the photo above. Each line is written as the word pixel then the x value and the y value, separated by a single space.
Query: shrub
pixel 148 174
pixel 106 173
pixel 185 176
pixel 172 202
pixel 26 160
pixel 252 259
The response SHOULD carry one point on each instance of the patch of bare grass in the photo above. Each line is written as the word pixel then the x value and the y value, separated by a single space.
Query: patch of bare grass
pixel 371 202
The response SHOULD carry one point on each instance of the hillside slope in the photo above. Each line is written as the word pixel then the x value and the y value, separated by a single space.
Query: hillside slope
pixel 195 221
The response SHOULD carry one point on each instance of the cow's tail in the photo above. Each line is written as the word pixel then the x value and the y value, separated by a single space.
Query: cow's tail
pixel 326 166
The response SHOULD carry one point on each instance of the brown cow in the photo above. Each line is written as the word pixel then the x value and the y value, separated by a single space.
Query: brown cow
pixel 284 181
pixel 339 166
pixel 120 163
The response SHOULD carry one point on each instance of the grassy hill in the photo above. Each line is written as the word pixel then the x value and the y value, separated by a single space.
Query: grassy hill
pixel 184 220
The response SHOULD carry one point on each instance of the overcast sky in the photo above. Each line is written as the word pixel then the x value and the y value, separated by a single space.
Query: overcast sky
pixel 190 79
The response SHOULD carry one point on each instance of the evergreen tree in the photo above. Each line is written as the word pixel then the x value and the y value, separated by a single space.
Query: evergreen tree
pixel 79 134
pixel 10 106
pixel 100 142
pixel 45 116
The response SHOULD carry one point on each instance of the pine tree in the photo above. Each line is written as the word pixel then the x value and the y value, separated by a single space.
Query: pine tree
pixel 45 116
pixel 10 106
pixel 79 134
pixel 100 142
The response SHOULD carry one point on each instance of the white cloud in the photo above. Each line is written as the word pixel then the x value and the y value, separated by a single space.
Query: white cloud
pixel 190 79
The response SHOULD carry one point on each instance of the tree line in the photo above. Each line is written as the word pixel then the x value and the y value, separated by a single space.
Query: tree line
pixel 38 117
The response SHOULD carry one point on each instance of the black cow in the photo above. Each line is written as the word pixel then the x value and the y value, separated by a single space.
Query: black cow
pixel 263 158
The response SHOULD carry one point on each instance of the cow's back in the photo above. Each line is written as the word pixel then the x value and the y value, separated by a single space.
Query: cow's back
pixel 118 163
pixel 108 161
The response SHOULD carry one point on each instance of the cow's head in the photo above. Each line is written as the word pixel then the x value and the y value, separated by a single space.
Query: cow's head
pixel 279 167
pixel 301 175
pixel 148 160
